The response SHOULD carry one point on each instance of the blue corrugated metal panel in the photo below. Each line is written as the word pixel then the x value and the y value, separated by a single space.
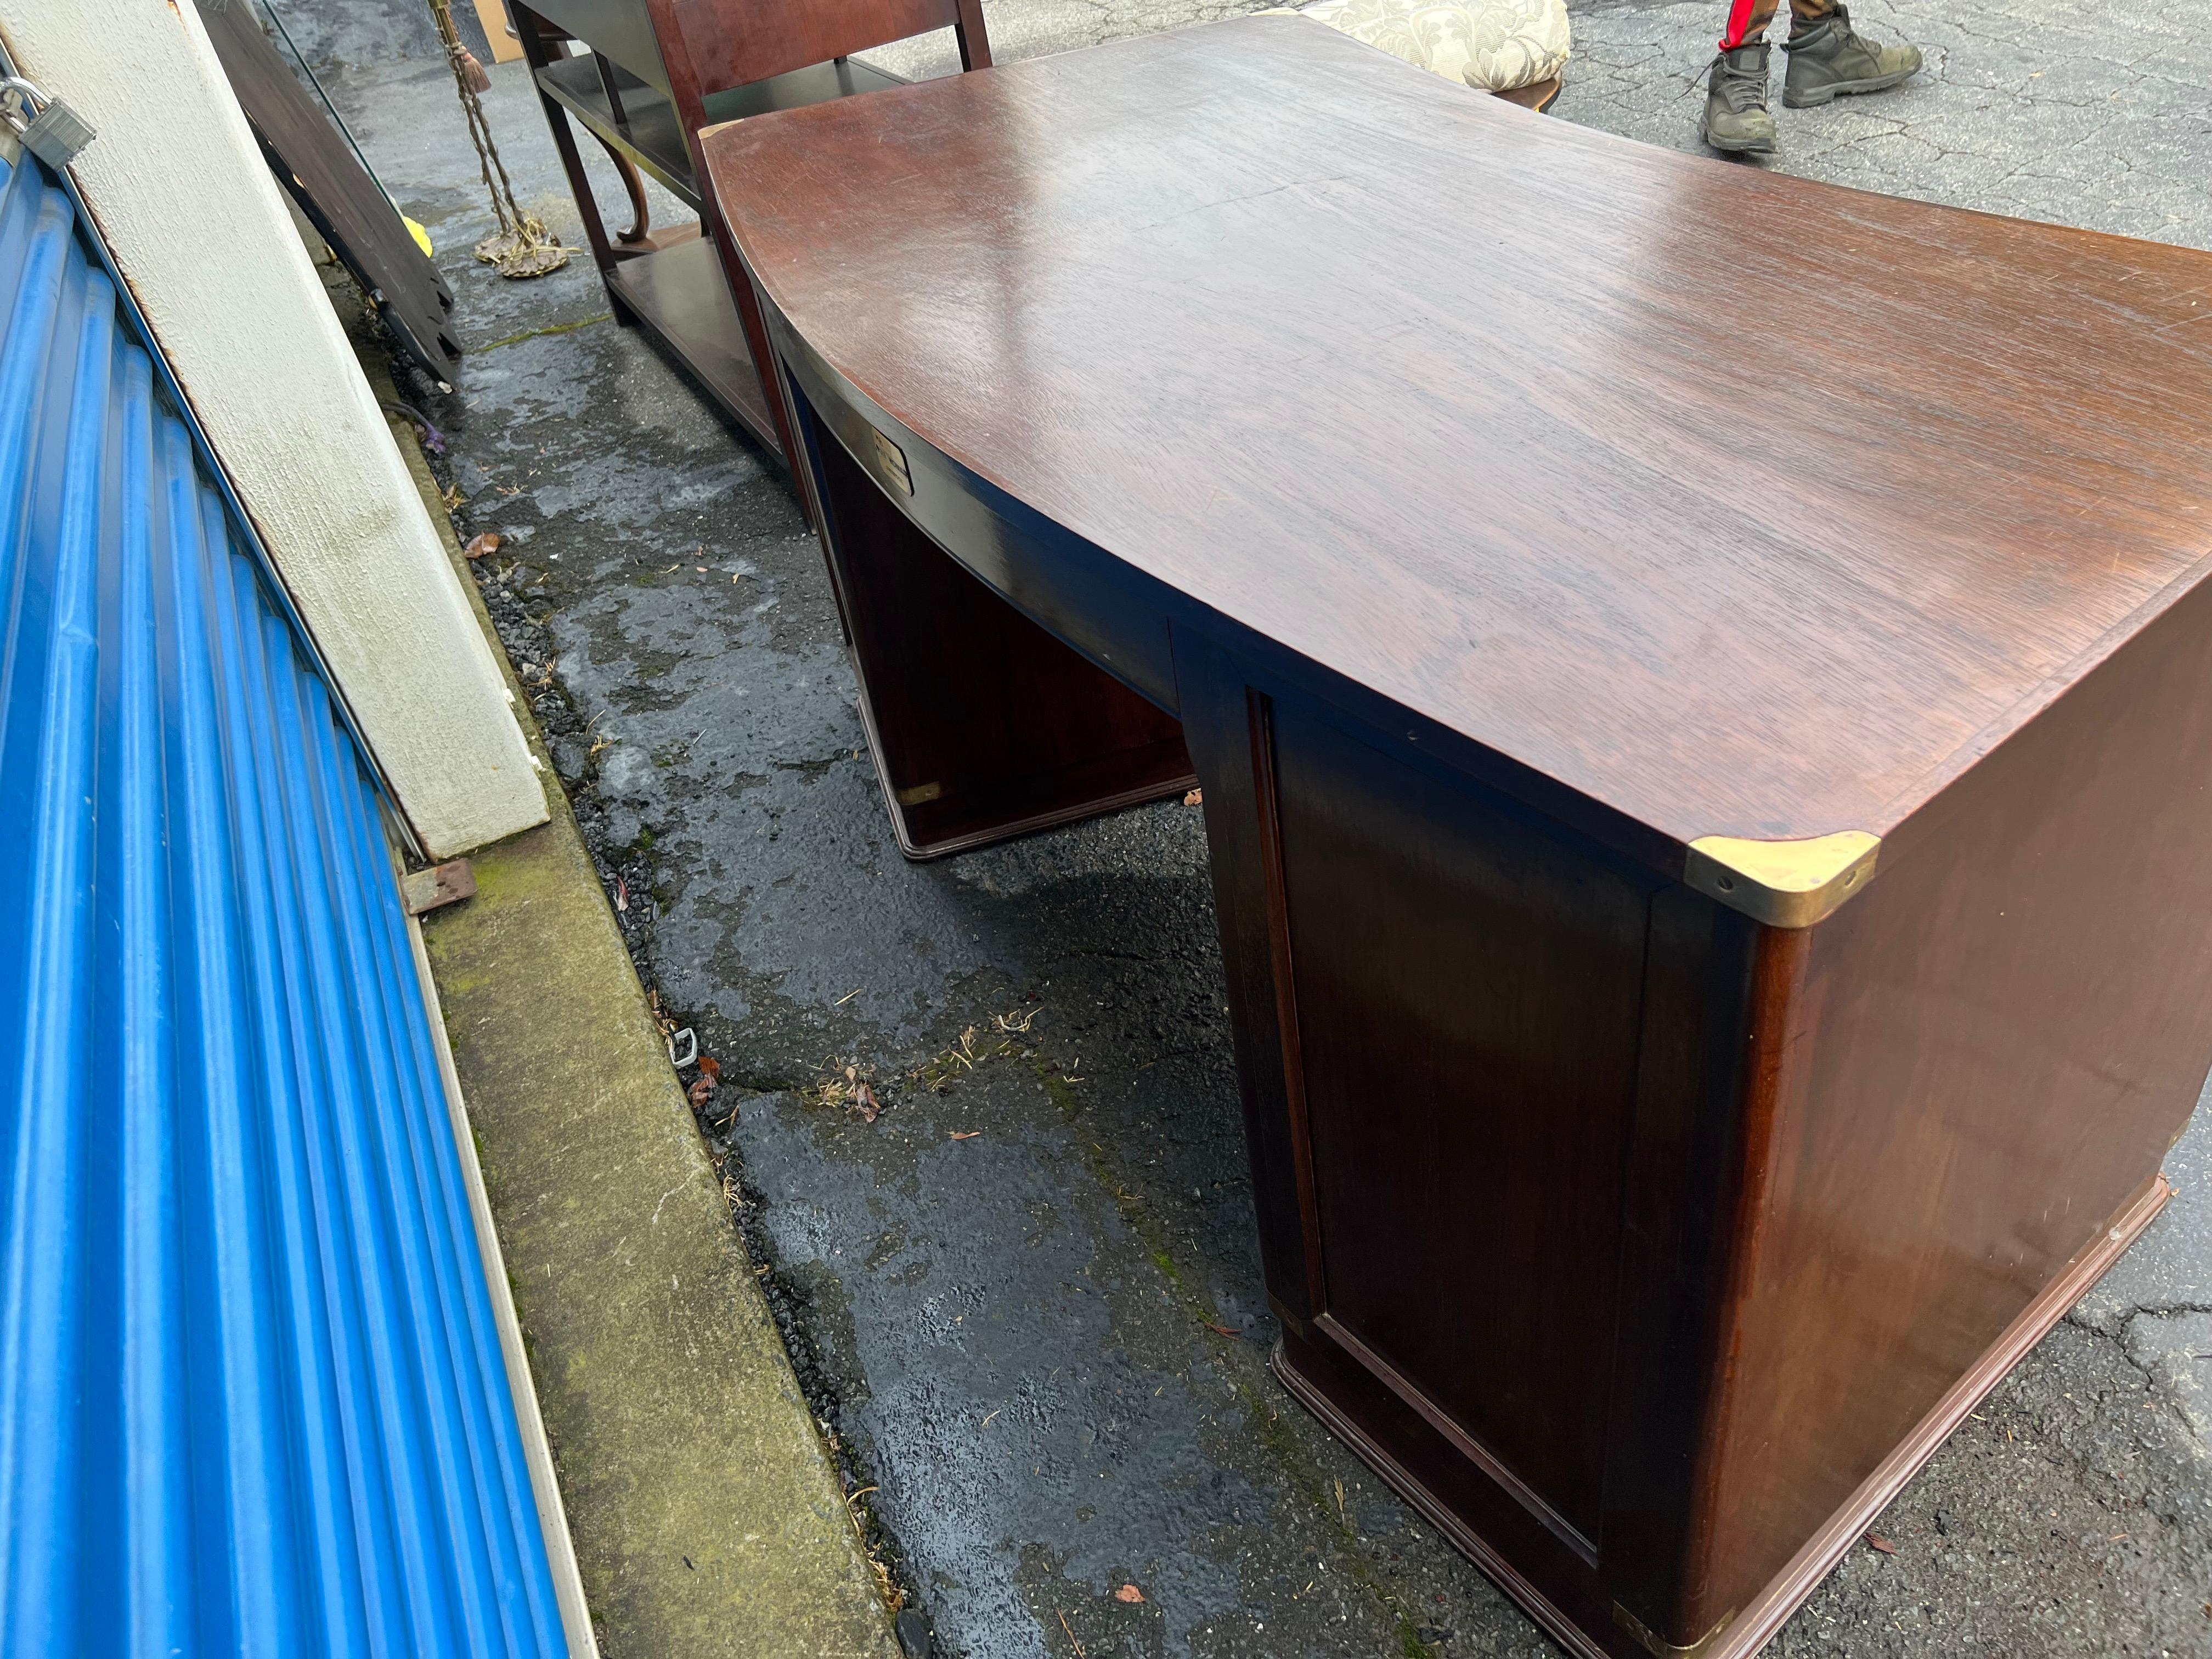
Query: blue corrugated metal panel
pixel 252 1397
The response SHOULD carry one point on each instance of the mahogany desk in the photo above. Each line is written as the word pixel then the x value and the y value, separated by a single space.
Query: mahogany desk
pixel 1714 854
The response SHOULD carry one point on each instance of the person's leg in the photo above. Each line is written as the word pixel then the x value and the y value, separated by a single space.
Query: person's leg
pixel 1736 116
pixel 1747 21
pixel 1828 59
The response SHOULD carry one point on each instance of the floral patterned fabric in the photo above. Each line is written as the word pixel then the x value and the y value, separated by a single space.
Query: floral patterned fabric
pixel 1494 45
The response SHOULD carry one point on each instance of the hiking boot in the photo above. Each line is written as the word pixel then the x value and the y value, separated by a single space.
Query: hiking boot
pixel 1736 116
pixel 1829 58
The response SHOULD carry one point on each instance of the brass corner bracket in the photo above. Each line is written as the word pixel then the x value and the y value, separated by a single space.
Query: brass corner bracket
pixel 1784 883
pixel 1657 1645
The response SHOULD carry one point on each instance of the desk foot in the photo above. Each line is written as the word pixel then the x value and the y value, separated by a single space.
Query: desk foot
pixel 1358 1408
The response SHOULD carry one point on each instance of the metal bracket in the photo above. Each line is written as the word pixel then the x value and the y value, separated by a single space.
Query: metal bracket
pixel 423 890
pixel 890 461
pixel 1657 1645
pixel 49 129
pixel 1784 883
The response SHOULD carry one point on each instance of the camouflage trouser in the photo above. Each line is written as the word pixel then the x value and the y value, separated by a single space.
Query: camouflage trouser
pixel 1747 19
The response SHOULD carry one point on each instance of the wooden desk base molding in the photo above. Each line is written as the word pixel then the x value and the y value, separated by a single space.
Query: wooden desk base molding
pixel 1388 1426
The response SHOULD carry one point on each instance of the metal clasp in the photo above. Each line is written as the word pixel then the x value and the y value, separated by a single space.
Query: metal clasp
pixel 49 129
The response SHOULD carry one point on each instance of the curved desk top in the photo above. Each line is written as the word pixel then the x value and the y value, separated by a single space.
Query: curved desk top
pixel 1739 504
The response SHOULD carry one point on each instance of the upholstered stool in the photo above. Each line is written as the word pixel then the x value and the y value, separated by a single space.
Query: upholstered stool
pixel 1514 48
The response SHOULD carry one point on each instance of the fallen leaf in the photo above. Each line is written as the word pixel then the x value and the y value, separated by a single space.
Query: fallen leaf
pixel 622 894
pixel 1221 1330
pixel 710 1067
pixel 864 1097
pixel 484 545
pixel 966 1135
pixel 1196 798
pixel 1129 1592
pixel 1878 1541
pixel 700 1092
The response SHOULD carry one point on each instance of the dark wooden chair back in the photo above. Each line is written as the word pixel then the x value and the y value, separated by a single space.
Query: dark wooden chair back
pixel 729 43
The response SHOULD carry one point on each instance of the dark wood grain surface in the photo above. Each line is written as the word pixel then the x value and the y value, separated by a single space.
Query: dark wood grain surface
pixel 1467 989
pixel 732 42
pixel 1986 1052
pixel 621 30
pixel 1738 504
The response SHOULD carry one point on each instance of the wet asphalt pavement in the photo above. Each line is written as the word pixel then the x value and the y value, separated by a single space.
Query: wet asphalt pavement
pixel 1024 1295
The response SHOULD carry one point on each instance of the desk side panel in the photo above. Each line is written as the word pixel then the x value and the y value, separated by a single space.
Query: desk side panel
pixel 1438 1002
pixel 1993 1048
pixel 1467 989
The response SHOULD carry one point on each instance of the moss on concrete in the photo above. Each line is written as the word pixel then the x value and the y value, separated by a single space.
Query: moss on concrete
pixel 706 1517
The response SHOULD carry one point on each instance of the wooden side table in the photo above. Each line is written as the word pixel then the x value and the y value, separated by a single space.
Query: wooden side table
pixel 653 73
pixel 1708 816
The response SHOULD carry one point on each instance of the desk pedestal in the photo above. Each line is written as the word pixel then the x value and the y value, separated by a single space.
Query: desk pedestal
pixel 1646 1248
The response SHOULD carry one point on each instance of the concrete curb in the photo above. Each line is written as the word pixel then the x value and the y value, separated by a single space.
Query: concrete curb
pixel 706 1517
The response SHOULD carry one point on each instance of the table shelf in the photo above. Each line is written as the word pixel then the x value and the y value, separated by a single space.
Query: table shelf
pixel 679 295
pixel 652 137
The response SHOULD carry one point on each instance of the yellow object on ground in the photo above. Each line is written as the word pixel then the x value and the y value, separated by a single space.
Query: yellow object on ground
pixel 422 236
pixel 505 48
